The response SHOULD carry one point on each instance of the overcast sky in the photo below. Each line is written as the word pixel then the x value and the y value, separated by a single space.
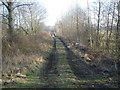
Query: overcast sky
pixel 56 8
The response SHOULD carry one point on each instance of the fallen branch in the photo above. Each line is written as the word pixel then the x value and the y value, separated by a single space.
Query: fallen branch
pixel 21 75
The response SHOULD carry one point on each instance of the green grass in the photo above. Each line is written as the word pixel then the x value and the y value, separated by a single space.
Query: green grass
pixel 66 79
pixel 31 81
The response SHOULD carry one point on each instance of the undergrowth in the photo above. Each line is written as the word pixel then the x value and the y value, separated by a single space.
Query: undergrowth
pixel 25 54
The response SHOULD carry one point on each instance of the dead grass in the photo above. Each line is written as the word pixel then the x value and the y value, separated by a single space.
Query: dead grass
pixel 95 57
pixel 24 54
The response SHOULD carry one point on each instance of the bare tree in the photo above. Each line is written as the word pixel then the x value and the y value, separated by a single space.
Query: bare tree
pixel 118 30
pixel 10 7
pixel 98 23
pixel 108 22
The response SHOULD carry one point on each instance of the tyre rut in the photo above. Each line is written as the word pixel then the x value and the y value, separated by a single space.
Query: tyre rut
pixel 80 69
pixel 51 72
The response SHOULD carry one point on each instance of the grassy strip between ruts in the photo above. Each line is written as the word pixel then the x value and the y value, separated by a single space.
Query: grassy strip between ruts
pixel 66 79
pixel 96 81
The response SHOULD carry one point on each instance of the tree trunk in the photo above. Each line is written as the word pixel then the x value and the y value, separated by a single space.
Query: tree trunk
pixel 113 15
pixel 118 40
pixel 77 26
pixel 10 20
pixel 118 31
pixel 98 26
pixel 107 39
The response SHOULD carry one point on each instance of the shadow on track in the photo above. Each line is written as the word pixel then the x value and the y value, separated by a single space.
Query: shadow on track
pixel 51 72
pixel 80 69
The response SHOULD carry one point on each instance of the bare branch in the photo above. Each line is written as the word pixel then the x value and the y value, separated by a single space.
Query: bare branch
pixel 3 15
pixel 24 30
pixel 5 4
pixel 22 5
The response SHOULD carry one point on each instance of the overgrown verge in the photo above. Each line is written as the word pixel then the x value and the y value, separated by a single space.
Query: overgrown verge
pixel 24 56
pixel 89 70
pixel 94 58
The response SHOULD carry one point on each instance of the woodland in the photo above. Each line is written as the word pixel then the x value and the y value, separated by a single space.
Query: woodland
pixel 82 50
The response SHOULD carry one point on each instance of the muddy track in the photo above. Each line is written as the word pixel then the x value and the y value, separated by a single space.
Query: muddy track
pixel 51 69
pixel 75 63
pixel 65 69
pixel 80 69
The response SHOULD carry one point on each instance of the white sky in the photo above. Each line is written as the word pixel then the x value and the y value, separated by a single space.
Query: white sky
pixel 56 8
